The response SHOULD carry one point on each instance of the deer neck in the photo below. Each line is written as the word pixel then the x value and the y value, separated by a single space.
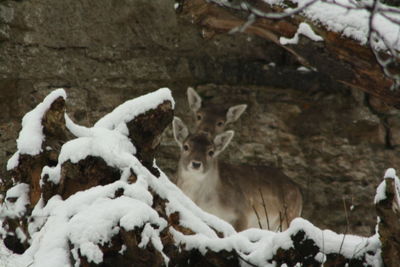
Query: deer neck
pixel 196 185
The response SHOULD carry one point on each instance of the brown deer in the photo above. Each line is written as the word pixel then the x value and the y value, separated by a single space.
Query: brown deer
pixel 245 196
pixel 212 118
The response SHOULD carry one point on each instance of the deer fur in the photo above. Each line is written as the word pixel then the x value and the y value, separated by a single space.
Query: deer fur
pixel 243 195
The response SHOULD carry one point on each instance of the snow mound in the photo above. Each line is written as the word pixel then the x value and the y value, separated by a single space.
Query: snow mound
pixel 259 246
pixel 381 190
pixel 110 145
pixel 131 108
pixel 16 201
pixel 31 136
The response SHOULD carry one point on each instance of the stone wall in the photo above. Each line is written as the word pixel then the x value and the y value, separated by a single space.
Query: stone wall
pixel 336 143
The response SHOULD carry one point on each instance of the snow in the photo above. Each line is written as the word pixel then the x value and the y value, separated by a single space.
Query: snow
pixel 131 108
pixel 31 135
pixel 87 219
pixel 15 201
pixel 13 161
pixel 381 190
pixel 320 257
pixel 7 258
pixel 90 219
pixel 351 23
pixel 390 173
pixel 258 246
pixel 305 30
pixel 97 223
pixel 75 129
pixel 303 69
pixel 115 148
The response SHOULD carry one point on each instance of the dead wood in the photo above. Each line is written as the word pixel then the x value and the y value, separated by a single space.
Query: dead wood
pixel 389 224
pixel 343 59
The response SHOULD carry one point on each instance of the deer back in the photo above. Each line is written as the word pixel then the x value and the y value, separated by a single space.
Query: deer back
pixel 272 200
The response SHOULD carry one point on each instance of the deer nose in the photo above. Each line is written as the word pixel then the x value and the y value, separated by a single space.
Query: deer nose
pixel 196 164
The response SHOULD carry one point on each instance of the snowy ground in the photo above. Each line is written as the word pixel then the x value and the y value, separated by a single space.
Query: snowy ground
pixel 7 259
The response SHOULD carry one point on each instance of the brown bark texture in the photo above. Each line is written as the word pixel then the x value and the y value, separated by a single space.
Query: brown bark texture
pixel 388 211
pixel 341 58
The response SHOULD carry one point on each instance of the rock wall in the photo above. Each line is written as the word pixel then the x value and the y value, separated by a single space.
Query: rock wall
pixel 336 143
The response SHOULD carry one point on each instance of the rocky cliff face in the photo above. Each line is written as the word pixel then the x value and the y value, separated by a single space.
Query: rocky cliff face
pixel 334 142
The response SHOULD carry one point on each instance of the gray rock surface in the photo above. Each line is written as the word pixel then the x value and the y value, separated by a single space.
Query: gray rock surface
pixel 335 142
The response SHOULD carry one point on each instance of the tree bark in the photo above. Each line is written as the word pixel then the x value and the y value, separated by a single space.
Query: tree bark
pixel 388 211
pixel 343 59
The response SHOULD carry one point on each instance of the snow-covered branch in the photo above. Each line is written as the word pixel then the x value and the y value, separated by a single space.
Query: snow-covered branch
pixel 382 27
pixel 361 39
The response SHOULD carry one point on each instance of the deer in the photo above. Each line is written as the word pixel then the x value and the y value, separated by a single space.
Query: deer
pixel 243 195
pixel 212 119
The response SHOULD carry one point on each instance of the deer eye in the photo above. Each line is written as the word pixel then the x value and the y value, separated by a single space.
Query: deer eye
pixel 186 147
pixel 220 123
pixel 211 153
pixel 199 117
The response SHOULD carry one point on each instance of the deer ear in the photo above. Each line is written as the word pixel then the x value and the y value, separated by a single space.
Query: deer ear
pixel 194 99
pixel 234 112
pixel 180 130
pixel 222 140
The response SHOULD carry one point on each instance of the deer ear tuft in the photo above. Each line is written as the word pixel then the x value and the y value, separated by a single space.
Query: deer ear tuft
pixel 180 130
pixel 222 140
pixel 235 112
pixel 194 99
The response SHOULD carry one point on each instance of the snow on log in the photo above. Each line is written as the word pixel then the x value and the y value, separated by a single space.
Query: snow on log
pixel 100 205
pixel 342 55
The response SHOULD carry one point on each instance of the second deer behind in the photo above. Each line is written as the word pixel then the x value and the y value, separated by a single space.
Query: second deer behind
pixel 212 119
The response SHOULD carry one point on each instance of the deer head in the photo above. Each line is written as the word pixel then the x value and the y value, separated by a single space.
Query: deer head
pixel 212 119
pixel 199 151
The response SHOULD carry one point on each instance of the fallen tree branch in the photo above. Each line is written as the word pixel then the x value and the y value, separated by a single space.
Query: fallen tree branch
pixel 343 59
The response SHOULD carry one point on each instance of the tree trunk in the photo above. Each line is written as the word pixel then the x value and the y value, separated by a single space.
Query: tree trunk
pixel 388 211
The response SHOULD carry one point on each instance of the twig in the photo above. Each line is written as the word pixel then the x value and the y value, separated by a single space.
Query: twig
pixel 347 227
pixel 258 217
pixel 265 208
pixel 374 8
pixel 285 207
pixel 244 5
pixel 357 251
pixel 246 261
pixel 393 55
pixel 346 214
